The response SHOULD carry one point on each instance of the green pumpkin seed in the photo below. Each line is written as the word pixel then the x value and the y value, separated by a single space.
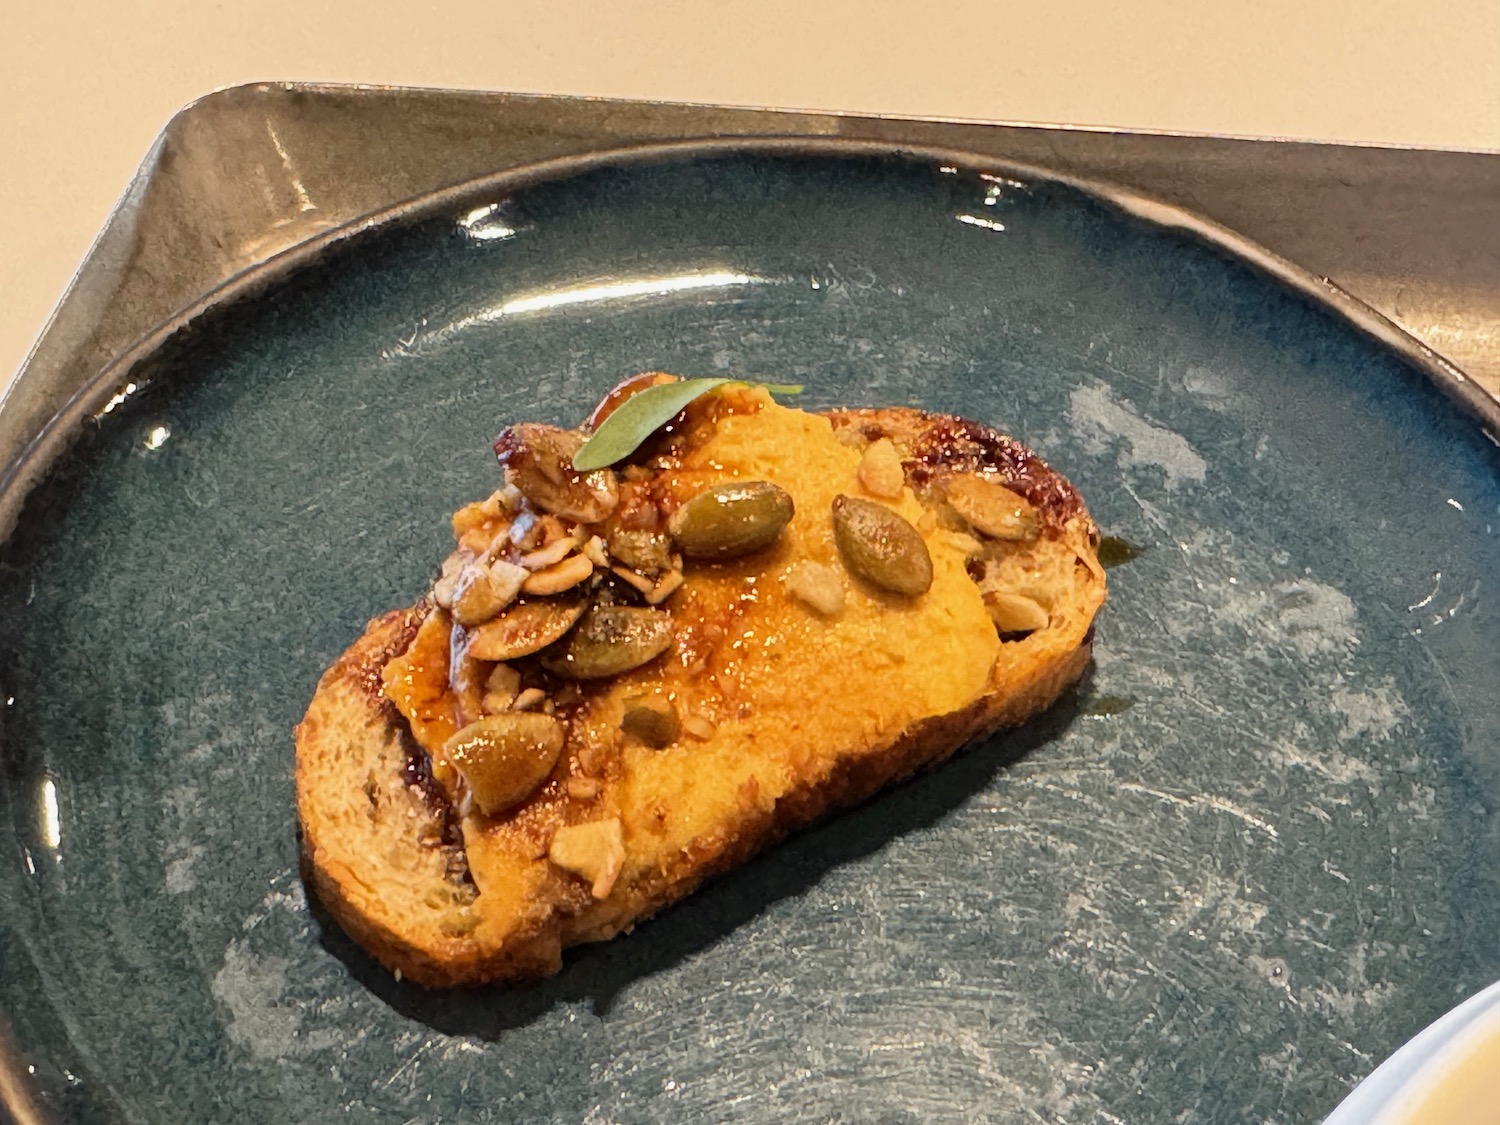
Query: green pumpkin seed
pixel 608 641
pixel 646 551
pixel 504 758
pixel 526 627
pixel 653 720
pixel 879 546
pixel 730 520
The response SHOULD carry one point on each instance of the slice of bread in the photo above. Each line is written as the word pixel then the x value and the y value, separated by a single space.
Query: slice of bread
pixel 787 680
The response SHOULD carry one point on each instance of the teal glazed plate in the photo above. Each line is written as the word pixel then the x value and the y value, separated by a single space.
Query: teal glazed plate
pixel 1251 855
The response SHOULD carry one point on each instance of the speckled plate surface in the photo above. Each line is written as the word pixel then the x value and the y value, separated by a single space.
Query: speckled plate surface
pixel 1254 853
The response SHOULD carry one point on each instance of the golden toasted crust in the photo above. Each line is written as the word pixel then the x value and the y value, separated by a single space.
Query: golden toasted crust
pixel 381 846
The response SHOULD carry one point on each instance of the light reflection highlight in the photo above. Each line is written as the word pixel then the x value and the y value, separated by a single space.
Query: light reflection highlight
pixel 976 221
pixel 598 293
pixel 486 224
pixel 51 822
pixel 117 399
pixel 621 290
pixel 1002 181
pixel 157 437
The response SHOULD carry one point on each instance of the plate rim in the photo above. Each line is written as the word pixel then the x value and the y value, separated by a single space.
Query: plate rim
pixel 39 451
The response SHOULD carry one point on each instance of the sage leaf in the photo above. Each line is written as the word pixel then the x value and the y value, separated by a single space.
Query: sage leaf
pixel 643 413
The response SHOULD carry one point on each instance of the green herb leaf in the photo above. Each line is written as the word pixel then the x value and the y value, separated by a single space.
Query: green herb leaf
pixel 643 413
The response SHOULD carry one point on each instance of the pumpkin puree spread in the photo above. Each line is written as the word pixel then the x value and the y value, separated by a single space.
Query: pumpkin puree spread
pixel 780 690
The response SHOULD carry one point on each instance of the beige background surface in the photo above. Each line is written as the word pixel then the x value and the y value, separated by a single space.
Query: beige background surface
pixel 85 85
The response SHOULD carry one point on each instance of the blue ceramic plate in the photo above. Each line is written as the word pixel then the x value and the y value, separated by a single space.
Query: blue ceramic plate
pixel 1253 853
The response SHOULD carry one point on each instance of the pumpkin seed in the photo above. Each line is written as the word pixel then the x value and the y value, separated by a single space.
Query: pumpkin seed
pixel 608 641
pixel 653 720
pixel 525 628
pixel 879 546
pixel 641 549
pixel 730 520
pixel 504 758
pixel 992 509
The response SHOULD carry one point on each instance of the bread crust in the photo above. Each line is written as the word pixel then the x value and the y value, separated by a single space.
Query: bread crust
pixel 381 847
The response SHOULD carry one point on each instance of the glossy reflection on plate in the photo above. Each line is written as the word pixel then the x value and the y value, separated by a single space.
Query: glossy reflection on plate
pixel 1245 862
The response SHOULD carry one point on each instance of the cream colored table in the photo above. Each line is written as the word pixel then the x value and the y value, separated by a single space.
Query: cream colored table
pixel 87 87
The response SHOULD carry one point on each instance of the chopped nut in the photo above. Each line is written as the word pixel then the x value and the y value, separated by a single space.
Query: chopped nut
pixel 477 539
pixel 499 544
pixel 594 549
pixel 665 588
pixel 506 579
pixel 1015 613
pixel 593 851
pixel 446 587
pixel 543 557
pixel 526 531
pixel 696 726
pixel 529 700
pixel 475 600
pixel 992 509
pixel 643 549
pixel 562 576
pixel 640 514
pixel 880 472
pixel 511 498
pixel 583 788
pixel 639 581
pixel 965 543
pixel 500 689
pixel 470 516
pixel 818 587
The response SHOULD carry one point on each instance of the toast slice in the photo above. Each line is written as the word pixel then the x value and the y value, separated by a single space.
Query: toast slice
pixel 628 681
